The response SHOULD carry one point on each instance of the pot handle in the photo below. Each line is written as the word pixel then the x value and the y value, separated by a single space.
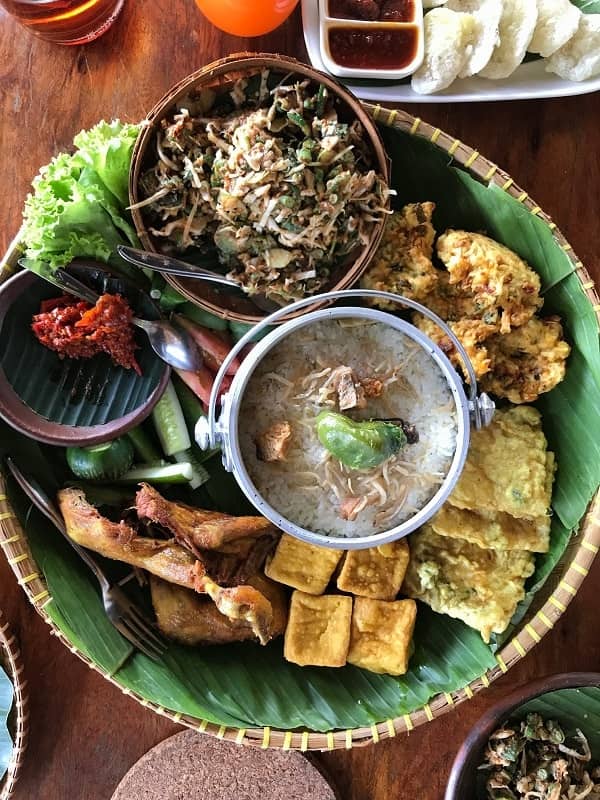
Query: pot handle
pixel 481 406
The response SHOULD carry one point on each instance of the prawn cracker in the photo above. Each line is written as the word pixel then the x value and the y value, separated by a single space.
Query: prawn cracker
pixel 449 39
pixel 454 577
pixel 517 25
pixel 506 468
pixel 487 15
pixel 579 58
pixel 557 22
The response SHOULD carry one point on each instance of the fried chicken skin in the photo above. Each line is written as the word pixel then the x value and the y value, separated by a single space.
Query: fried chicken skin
pixel 503 288
pixel 528 361
pixel 173 562
pixel 402 264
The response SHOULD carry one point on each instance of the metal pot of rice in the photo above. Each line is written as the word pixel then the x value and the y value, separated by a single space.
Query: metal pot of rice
pixel 346 427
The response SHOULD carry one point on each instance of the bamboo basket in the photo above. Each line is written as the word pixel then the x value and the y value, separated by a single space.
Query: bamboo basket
pixel 10 659
pixel 550 603
pixel 216 77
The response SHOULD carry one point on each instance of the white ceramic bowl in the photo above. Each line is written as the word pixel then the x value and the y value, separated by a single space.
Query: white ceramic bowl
pixel 329 24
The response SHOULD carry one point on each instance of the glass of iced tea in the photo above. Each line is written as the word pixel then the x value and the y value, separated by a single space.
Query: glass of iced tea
pixel 65 21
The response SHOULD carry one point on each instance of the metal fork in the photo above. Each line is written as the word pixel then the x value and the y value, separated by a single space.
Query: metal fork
pixel 121 611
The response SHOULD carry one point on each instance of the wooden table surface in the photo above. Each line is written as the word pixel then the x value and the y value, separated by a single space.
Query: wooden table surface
pixel 85 734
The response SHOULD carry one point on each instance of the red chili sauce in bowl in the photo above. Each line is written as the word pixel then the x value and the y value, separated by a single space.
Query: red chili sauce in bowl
pixel 373 10
pixel 75 329
pixel 373 48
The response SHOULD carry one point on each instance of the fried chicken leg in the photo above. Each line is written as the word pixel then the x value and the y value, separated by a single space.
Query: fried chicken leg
pixel 191 619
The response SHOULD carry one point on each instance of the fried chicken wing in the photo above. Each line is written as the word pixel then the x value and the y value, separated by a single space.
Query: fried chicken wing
pixel 117 540
pixel 402 264
pixel 528 361
pixel 191 619
pixel 202 530
pixel 243 604
pixel 503 287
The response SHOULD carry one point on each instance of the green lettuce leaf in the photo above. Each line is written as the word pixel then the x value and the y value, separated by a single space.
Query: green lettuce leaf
pixel 77 208
pixel 107 148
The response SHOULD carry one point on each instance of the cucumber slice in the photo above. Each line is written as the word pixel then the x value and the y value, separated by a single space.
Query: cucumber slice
pixel 202 317
pixel 102 461
pixel 170 424
pixel 200 473
pixel 171 473
pixel 192 411
pixel 143 445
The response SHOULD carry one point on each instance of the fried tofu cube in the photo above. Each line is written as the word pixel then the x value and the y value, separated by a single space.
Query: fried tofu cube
pixel 318 630
pixel 302 566
pixel 376 572
pixel 381 634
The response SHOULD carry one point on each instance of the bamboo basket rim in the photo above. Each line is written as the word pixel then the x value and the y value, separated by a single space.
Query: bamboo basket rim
pixel 10 658
pixel 552 600
pixel 222 72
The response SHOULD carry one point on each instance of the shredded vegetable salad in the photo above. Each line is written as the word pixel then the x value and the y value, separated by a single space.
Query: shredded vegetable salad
pixel 282 187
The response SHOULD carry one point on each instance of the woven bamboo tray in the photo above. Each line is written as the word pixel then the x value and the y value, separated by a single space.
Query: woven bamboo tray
pixel 10 659
pixel 550 603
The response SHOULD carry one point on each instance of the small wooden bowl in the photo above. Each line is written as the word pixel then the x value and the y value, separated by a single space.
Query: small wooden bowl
pixel 462 784
pixel 67 402
pixel 220 75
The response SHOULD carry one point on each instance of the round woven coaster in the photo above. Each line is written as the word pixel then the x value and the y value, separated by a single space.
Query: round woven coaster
pixel 189 766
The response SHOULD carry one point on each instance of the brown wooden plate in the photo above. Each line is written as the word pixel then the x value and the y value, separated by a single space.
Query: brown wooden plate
pixel 67 401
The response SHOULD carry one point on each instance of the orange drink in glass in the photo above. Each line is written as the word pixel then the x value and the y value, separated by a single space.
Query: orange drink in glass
pixel 247 17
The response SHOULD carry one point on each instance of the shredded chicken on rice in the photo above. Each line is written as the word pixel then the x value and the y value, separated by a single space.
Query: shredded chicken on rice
pixel 385 487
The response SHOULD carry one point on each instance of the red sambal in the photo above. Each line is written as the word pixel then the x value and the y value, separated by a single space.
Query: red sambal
pixel 75 329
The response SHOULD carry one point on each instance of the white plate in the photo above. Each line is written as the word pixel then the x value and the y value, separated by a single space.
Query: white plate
pixel 529 81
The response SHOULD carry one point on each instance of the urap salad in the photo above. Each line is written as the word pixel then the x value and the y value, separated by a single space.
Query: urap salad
pixel 270 178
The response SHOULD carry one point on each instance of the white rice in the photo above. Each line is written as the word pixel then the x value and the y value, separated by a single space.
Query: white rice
pixel 309 485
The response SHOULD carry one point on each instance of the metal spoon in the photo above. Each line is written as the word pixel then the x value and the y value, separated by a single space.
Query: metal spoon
pixel 174 345
pixel 173 266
